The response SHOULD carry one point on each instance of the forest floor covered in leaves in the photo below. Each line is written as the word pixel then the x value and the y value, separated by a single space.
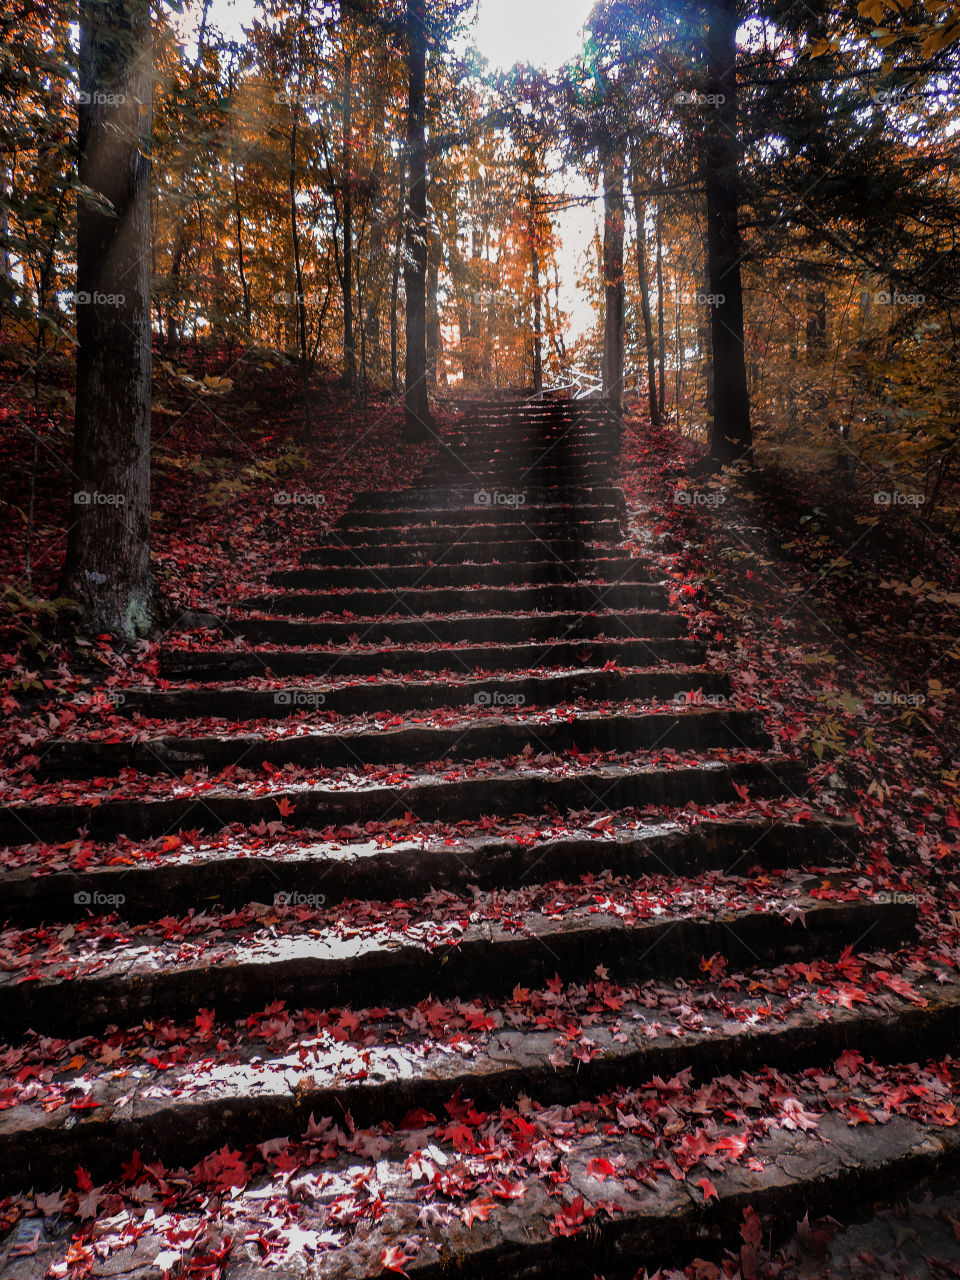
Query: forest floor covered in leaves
pixel 802 595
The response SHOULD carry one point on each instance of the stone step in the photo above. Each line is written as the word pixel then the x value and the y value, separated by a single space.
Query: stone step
pixel 524 1226
pixel 416 602
pixel 459 574
pixel 237 973
pixel 554 466
pixel 185 1116
pixel 553 463
pixel 482 495
pixel 333 747
pixel 529 551
pixel 531 433
pixel 398 696
pixel 232 664
pixel 474 628
pixel 429 797
pixel 232 877
pixel 479 526
pixel 518 446
pixel 555 451
pixel 560 444
pixel 503 431
pixel 572 516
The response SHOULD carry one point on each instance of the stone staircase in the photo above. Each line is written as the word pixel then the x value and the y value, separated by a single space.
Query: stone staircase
pixel 427 893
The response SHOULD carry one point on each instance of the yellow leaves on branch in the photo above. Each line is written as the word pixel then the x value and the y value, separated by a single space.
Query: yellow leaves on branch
pixel 941 31
pixel 872 10
pixel 942 37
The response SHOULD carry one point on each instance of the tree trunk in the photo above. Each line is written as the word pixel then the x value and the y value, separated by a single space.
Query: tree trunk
pixel 8 288
pixel 395 286
pixel 661 327
pixel 301 301
pixel 816 324
pixel 643 283
pixel 678 349
pixel 462 292
pixel 706 350
pixel 418 422
pixel 349 347
pixel 730 437
pixel 238 212
pixel 433 315
pixel 487 323
pixel 537 301
pixel 108 542
pixel 614 310
pixel 371 327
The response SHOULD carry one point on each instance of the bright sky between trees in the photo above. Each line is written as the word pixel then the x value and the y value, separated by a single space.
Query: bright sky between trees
pixel 544 33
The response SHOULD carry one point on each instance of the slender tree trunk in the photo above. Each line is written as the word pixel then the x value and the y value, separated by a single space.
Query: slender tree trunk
pixel 537 300
pixel 478 280
pixel 301 301
pixel 461 274
pixel 706 348
pixel 349 349
pixel 419 424
pixel 108 542
pixel 643 283
pixel 238 213
pixel 678 349
pixel 433 315
pixel 554 312
pixel 614 309
pixel 486 323
pixel 8 287
pixel 731 436
pixel 816 324
pixel 661 329
pixel 371 326
pixel 361 316
pixel 395 286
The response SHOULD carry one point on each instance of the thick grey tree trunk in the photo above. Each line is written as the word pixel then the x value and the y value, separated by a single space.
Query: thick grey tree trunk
pixel 108 545
pixel 614 309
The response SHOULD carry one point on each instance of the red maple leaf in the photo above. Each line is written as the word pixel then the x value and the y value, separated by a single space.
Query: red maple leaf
pixel 570 1220
pixel 507 1190
pixel 476 1209
pixel 394 1259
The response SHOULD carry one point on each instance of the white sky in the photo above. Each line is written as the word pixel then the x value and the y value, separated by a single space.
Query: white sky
pixel 544 33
